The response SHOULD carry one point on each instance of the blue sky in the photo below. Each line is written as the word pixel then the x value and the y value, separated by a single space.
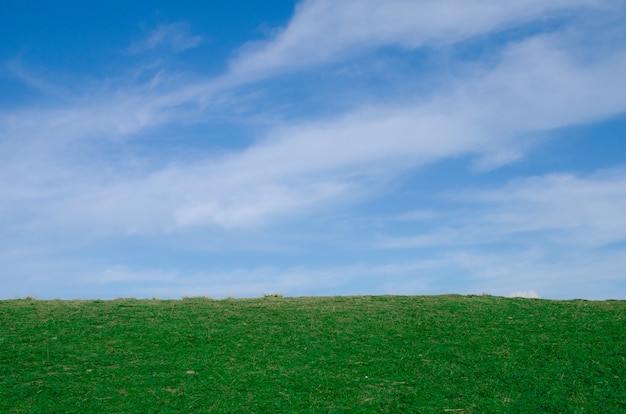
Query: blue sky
pixel 313 148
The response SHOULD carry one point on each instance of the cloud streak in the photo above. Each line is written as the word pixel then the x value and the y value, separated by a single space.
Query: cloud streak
pixel 304 165
pixel 87 167
pixel 560 209
pixel 175 37
pixel 323 31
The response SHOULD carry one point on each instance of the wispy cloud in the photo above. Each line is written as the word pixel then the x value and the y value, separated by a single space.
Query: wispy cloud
pixel 536 86
pixel 247 282
pixel 301 166
pixel 563 209
pixel 324 31
pixel 583 211
pixel 85 167
pixel 175 37
pixel 16 69
pixel 554 234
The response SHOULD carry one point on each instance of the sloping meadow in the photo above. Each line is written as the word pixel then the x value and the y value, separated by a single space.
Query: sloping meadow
pixel 426 354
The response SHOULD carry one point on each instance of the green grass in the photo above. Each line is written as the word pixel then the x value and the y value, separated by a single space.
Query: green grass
pixel 438 354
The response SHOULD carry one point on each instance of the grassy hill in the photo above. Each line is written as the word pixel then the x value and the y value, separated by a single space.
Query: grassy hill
pixel 434 354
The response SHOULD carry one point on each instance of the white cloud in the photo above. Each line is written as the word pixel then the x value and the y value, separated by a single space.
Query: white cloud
pixel 597 276
pixel 254 282
pixel 559 233
pixel 303 166
pixel 16 69
pixel 486 115
pixel 583 211
pixel 418 215
pixel 565 210
pixel 557 273
pixel 326 30
pixel 55 181
pixel 173 36
pixel 457 271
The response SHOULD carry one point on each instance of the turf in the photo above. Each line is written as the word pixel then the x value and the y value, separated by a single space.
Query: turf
pixel 436 354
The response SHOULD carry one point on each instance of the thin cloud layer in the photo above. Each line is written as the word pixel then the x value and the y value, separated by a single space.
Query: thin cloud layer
pixel 560 209
pixel 306 166
pixel 151 159
pixel 173 36
pixel 324 31
pixel 579 211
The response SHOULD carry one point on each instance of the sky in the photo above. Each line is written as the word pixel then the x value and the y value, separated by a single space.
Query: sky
pixel 158 149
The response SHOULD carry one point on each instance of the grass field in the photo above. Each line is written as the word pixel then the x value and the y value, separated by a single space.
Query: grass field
pixel 432 354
